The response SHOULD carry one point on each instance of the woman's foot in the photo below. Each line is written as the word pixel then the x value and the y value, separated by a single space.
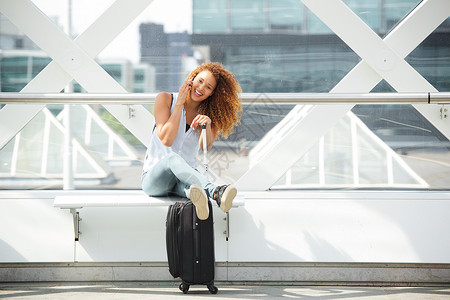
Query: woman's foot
pixel 200 201
pixel 224 196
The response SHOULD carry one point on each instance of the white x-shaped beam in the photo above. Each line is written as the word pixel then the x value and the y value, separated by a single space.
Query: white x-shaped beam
pixel 381 58
pixel 72 59
pixel 384 58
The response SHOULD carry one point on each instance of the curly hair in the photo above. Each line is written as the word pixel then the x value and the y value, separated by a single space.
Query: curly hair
pixel 223 107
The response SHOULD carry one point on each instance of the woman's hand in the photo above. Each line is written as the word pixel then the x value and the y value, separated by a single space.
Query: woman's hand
pixel 200 120
pixel 197 123
pixel 184 91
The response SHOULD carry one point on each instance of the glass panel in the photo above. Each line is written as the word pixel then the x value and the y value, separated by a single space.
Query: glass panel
pixel 272 47
pixel 247 15
pixel 382 15
pixel 54 158
pixel 35 157
pixel 383 87
pixel 38 64
pixel 337 147
pixel 395 10
pixel 376 146
pixel 286 15
pixel 315 25
pixel 210 16
pixel 293 68
pixel 31 143
pixel 372 161
pixel 431 58
pixel 15 73
pixel 369 11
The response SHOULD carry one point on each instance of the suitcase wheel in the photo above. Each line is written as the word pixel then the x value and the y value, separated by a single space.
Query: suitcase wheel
pixel 213 289
pixel 184 288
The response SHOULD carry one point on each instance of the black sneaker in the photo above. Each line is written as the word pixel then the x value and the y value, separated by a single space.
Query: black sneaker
pixel 224 196
pixel 200 201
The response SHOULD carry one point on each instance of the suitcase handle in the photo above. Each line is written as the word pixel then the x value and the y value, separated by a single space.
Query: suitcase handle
pixel 205 150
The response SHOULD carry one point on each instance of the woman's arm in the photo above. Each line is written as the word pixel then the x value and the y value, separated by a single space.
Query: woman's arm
pixel 167 123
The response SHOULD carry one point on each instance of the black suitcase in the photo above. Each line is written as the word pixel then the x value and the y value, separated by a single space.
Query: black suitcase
pixel 190 241
pixel 190 246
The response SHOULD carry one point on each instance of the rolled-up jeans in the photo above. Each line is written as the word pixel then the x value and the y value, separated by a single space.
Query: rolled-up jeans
pixel 174 175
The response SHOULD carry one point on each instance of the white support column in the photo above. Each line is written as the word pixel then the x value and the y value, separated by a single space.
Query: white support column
pixel 74 60
pixel 321 161
pixel 68 178
pixel 390 168
pixel 15 155
pixel 355 152
pixel 45 147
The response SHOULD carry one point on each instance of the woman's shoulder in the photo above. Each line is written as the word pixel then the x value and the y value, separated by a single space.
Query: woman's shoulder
pixel 165 97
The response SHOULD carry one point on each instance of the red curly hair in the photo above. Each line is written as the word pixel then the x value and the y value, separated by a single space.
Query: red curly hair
pixel 223 107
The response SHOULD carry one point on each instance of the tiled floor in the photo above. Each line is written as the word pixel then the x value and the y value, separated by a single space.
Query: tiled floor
pixel 143 290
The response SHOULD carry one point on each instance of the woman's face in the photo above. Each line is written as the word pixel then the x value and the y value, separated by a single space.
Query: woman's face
pixel 203 86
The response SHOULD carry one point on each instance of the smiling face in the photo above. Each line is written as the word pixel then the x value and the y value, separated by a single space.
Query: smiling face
pixel 203 86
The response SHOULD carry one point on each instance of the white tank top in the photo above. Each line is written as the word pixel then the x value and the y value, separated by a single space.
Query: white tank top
pixel 185 144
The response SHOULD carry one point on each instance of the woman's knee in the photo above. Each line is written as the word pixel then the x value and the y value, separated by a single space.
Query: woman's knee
pixel 145 183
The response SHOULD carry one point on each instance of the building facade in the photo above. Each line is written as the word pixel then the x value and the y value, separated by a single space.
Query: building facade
pixel 165 52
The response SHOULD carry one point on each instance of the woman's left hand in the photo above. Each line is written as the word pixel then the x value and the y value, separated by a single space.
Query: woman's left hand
pixel 200 120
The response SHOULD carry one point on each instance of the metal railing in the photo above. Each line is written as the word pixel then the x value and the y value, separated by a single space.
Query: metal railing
pixel 279 98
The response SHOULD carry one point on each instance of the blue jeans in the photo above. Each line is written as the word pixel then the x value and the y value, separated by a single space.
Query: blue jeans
pixel 172 174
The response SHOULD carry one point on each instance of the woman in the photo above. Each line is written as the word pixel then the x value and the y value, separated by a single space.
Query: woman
pixel 209 96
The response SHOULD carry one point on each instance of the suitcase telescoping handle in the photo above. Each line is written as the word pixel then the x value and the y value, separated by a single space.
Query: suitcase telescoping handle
pixel 205 149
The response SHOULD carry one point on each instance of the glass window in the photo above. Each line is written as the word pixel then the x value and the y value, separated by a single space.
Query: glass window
pixel 210 16
pixel 314 25
pixel 247 15
pixel 292 68
pixel 369 11
pixel 139 76
pixel 38 64
pixel 15 73
pixel 431 58
pixel 396 10
pixel 286 15
pixel 273 47
pixel 114 70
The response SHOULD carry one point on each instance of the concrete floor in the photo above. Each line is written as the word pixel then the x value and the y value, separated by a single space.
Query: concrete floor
pixel 145 290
